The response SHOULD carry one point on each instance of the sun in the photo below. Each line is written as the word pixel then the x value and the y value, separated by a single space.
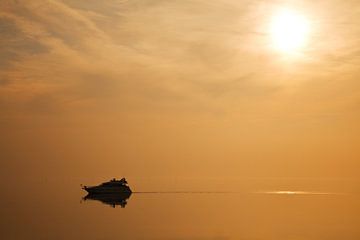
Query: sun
pixel 289 31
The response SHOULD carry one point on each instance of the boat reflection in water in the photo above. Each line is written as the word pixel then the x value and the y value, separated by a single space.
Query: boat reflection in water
pixel 112 199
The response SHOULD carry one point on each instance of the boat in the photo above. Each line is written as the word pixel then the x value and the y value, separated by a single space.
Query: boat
pixel 111 187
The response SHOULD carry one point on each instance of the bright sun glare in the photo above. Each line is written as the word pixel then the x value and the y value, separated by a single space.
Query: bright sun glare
pixel 289 31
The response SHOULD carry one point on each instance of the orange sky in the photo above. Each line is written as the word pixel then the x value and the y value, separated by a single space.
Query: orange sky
pixel 177 89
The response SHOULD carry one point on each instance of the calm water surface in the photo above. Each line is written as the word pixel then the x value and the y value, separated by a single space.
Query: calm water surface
pixel 60 213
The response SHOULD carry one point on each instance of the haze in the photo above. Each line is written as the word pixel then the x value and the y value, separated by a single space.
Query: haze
pixel 159 91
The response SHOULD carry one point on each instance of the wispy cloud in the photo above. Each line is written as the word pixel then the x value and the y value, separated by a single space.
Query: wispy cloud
pixel 179 53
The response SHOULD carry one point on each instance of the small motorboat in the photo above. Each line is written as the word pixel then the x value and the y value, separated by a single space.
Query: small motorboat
pixel 111 187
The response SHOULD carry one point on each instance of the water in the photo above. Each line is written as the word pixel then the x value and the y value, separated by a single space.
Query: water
pixel 60 213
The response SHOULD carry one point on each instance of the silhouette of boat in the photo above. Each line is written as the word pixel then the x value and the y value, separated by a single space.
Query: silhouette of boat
pixel 111 187
pixel 112 199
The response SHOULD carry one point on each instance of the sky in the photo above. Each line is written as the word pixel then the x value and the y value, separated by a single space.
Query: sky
pixel 177 89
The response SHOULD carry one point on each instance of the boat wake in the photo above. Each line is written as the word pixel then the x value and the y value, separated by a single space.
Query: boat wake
pixel 296 193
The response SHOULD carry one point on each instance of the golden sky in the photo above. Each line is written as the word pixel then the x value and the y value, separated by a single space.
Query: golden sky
pixel 180 88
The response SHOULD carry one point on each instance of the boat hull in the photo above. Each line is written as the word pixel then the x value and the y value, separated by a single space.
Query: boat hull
pixel 107 190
